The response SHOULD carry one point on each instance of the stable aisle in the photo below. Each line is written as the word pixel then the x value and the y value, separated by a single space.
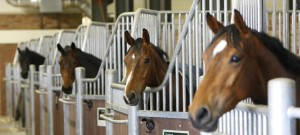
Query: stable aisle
pixel 9 127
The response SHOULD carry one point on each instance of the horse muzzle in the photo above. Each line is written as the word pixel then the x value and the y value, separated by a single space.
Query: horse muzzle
pixel 132 99
pixel 203 120
pixel 67 89
pixel 24 75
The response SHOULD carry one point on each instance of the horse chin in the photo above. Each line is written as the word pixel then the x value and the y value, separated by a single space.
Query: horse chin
pixel 132 102
pixel 67 90
pixel 209 126
pixel 24 75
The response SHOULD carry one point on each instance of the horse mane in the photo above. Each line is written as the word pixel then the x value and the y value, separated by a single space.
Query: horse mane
pixel 138 45
pixel 86 59
pixel 290 61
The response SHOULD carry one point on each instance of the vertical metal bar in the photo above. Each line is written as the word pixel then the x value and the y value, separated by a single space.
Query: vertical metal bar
pixel 294 27
pixel 285 23
pixel 50 101
pixel 273 18
pixel 42 104
pixel 133 120
pixel 66 119
pixel 225 12
pixel 170 93
pixel 80 74
pixel 32 100
pixel 279 121
pixel 279 29
pixel 298 33
pixel 111 76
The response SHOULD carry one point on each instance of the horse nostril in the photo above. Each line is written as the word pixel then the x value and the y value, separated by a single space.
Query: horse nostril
pixel 131 96
pixel 203 115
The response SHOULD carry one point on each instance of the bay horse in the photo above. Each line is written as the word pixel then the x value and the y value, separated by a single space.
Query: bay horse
pixel 239 62
pixel 27 57
pixel 72 57
pixel 146 65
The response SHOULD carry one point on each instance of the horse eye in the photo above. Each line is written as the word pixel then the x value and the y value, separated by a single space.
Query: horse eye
pixel 147 60
pixel 235 59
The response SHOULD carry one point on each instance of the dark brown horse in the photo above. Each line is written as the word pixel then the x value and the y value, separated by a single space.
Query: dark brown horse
pixel 27 57
pixel 239 63
pixel 146 65
pixel 72 57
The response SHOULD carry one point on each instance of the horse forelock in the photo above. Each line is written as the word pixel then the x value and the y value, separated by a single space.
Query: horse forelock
pixel 137 47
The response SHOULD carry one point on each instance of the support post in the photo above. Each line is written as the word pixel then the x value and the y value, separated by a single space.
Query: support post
pixel 42 104
pixel 31 91
pixel 111 76
pixel 133 120
pixel 281 96
pixel 80 74
pixel 50 99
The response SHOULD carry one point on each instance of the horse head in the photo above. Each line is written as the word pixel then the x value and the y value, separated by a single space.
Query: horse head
pixel 68 62
pixel 24 61
pixel 142 61
pixel 232 73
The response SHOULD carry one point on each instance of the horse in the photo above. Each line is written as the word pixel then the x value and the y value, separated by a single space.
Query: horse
pixel 72 57
pixel 28 57
pixel 146 65
pixel 239 62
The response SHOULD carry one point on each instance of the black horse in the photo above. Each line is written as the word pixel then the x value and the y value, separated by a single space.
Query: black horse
pixel 26 58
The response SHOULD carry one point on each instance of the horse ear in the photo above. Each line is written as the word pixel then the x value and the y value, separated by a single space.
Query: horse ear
pixel 146 36
pixel 240 24
pixel 129 40
pixel 73 46
pixel 60 49
pixel 213 23
pixel 27 50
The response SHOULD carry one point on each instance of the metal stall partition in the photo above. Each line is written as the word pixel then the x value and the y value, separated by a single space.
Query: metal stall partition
pixel 164 29
pixel 112 57
pixel 184 37
pixel 9 82
pixel 21 89
pixel 51 111
pixel 68 102
pixel 32 105
pixel 91 95
pixel 107 52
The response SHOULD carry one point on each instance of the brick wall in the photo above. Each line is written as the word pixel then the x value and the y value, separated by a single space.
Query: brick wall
pixel 40 21
pixel 29 21
pixel 7 53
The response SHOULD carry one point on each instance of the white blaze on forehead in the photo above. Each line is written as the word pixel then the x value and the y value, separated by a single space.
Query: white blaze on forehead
pixel 133 56
pixel 219 47
pixel 127 81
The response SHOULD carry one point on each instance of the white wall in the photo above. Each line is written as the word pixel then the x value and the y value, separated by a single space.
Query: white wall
pixel 16 36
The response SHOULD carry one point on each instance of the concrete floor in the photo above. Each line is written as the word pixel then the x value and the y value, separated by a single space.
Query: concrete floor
pixel 9 127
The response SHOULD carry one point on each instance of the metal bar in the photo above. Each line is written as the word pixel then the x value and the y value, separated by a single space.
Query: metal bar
pixel 103 116
pixel 279 122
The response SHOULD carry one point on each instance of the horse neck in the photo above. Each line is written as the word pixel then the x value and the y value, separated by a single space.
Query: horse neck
pixel 37 60
pixel 160 71
pixel 90 66
pixel 270 68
